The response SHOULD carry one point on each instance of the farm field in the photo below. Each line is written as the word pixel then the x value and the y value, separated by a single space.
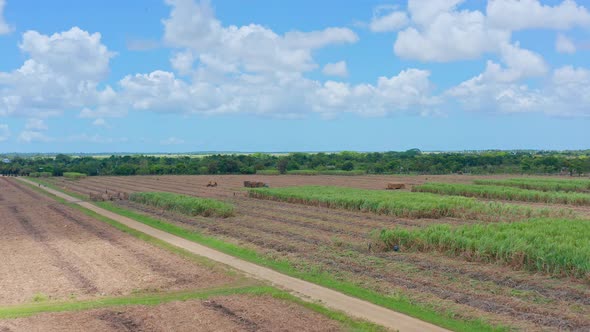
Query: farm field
pixel 338 242
pixel 224 313
pixel 64 270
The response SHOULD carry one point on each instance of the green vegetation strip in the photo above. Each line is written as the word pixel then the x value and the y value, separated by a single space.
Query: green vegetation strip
pixel 192 206
pixel 397 302
pixel 555 246
pixel 326 172
pixel 143 299
pixel 505 193
pixel 399 203
pixel 74 175
pixel 542 184
pixel 40 174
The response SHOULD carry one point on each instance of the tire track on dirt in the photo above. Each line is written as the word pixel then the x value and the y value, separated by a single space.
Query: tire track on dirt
pixel 71 271
pixel 109 237
pixel 243 322
pixel 119 321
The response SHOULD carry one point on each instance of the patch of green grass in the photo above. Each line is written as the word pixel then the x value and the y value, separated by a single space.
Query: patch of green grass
pixel 40 297
pixel 400 203
pixel 189 205
pixel 325 172
pixel 505 193
pixel 542 184
pixel 25 310
pixel 556 246
pixel 74 175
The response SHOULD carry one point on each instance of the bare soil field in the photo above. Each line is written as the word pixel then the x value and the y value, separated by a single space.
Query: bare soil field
pixel 227 313
pixel 53 252
pixel 336 241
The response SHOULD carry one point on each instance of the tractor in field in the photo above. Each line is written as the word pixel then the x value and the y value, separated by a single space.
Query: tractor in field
pixel 395 186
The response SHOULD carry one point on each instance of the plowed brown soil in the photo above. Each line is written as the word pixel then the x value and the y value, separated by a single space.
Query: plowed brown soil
pixel 337 241
pixel 229 313
pixel 52 251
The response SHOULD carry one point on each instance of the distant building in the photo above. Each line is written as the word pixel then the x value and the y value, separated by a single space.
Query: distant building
pixel 6 161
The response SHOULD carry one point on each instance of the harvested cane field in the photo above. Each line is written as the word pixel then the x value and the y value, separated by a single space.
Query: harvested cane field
pixel 62 270
pixel 345 245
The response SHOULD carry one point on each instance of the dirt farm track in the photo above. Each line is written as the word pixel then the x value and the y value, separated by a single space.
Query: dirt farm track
pixel 335 241
pixel 52 252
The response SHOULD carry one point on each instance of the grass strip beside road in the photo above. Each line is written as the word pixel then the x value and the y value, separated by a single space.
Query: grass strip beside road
pixel 25 310
pixel 397 303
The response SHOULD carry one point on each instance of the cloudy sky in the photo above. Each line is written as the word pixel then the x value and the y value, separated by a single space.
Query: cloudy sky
pixel 305 75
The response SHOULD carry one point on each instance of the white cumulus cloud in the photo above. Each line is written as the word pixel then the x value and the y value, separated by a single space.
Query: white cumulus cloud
pixel 336 69
pixel 252 47
pixel 4 27
pixel 62 72
pixel 387 18
pixel 564 45
pixel 440 32
pixel 529 14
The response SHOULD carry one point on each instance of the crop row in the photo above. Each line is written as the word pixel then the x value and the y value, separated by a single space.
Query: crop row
pixel 540 184
pixel 402 204
pixel 505 193
pixel 188 205
pixel 556 246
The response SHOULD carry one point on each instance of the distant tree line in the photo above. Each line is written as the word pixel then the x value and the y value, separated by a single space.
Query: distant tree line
pixel 409 162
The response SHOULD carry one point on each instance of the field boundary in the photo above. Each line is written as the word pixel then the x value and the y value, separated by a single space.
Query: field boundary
pixel 305 290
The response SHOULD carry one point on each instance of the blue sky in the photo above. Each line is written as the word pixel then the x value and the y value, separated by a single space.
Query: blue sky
pixel 262 75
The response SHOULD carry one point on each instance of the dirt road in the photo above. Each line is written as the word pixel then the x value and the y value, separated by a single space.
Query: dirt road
pixel 306 290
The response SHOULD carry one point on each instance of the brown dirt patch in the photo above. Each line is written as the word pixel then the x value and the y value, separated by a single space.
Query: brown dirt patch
pixel 52 250
pixel 228 313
